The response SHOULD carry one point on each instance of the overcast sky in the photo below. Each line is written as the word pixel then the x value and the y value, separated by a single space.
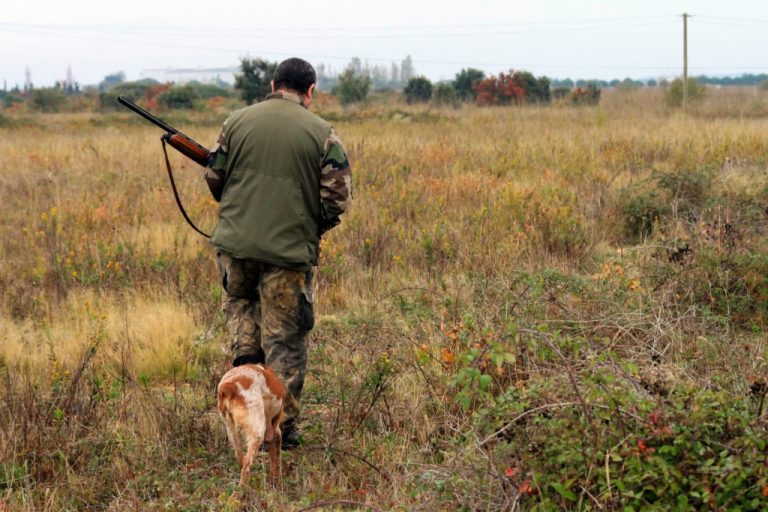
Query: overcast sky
pixel 557 38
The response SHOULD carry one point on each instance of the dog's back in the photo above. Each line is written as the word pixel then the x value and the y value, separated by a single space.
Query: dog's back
pixel 251 402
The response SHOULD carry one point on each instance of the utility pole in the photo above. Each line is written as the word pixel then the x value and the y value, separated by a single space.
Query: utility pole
pixel 685 61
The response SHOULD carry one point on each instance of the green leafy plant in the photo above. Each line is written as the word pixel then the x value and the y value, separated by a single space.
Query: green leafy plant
pixel 418 90
pixel 351 87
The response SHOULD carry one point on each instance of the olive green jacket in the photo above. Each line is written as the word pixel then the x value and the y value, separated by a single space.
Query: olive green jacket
pixel 286 180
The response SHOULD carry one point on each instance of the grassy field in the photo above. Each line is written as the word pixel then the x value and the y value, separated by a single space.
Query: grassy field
pixel 527 308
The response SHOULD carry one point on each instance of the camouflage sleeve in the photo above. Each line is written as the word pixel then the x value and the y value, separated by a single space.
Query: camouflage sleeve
pixel 335 183
pixel 215 173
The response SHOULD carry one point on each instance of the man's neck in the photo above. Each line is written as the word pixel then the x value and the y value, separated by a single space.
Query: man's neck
pixel 286 94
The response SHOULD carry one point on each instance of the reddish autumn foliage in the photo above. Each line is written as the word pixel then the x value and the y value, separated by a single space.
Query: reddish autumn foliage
pixel 504 89
pixel 151 94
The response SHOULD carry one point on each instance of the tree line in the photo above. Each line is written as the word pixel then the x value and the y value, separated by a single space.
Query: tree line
pixel 354 84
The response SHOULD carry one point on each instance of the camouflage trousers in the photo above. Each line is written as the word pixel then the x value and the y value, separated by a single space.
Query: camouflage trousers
pixel 269 314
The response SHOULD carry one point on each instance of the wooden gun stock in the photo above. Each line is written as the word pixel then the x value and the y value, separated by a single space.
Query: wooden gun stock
pixel 188 148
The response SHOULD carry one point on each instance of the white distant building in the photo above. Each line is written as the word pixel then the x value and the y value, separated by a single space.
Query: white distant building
pixel 184 75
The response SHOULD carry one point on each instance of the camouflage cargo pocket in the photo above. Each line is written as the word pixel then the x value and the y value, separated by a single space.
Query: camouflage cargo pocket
pixel 239 278
pixel 306 300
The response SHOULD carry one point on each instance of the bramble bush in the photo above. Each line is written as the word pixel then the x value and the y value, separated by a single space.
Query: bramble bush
pixel 514 87
pixel 589 95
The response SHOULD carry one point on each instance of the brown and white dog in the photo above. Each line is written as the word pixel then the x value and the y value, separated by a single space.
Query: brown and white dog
pixel 251 403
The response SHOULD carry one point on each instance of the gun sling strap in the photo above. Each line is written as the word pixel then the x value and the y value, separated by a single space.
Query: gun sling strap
pixel 176 192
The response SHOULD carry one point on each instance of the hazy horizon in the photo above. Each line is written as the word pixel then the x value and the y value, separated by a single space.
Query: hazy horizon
pixel 559 39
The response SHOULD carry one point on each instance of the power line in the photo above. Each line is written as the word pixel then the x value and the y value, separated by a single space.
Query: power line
pixel 735 20
pixel 44 29
pixel 377 59
pixel 196 31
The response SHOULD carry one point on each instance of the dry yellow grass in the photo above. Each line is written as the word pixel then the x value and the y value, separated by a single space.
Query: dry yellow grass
pixel 485 266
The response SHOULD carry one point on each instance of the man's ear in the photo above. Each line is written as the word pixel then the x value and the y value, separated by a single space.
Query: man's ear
pixel 311 90
pixel 272 85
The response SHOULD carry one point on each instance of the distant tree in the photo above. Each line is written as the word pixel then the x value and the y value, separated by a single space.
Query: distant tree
pixel 627 84
pixel 744 79
pixel 151 94
pixel 254 82
pixel 356 65
pixel 613 83
pixel 465 82
pixel 131 90
pixel 444 94
pixel 48 99
pixel 418 89
pixel 536 89
pixel 407 70
pixel 562 82
pixel 663 82
pixel 674 95
pixel 112 80
pixel 379 75
pixel 651 83
pixel 206 91
pixel 179 96
pixel 352 88
pixel 395 73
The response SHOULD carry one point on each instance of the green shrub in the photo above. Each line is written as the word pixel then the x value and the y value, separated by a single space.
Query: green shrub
pixel 207 91
pixel 48 99
pixel 254 82
pixel 182 96
pixel 674 95
pixel 589 95
pixel 688 188
pixel 465 83
pixel 12 99
pixel 537 90
pixel 445 95
pixel 418 90
pixel 558 93
pixel 134 91
pixel 352 88
pixel 642 209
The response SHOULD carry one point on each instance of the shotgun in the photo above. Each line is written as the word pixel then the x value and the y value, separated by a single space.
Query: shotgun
pixel 173 137
pixel 181 143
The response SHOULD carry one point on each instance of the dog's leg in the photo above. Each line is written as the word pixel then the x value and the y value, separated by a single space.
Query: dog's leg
pixel 275 473
pixel 234 439
pixel 254 428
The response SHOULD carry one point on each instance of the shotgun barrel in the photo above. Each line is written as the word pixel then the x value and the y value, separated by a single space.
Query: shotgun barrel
pixel 177 140
pixel 146 115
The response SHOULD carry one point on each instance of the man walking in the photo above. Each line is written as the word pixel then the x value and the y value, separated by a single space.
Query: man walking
pixel 283 180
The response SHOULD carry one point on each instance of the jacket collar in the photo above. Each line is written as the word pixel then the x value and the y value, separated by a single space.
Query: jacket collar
pixel 285 95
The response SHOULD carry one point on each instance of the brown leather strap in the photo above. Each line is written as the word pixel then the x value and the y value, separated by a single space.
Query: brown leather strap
pixel 176 192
